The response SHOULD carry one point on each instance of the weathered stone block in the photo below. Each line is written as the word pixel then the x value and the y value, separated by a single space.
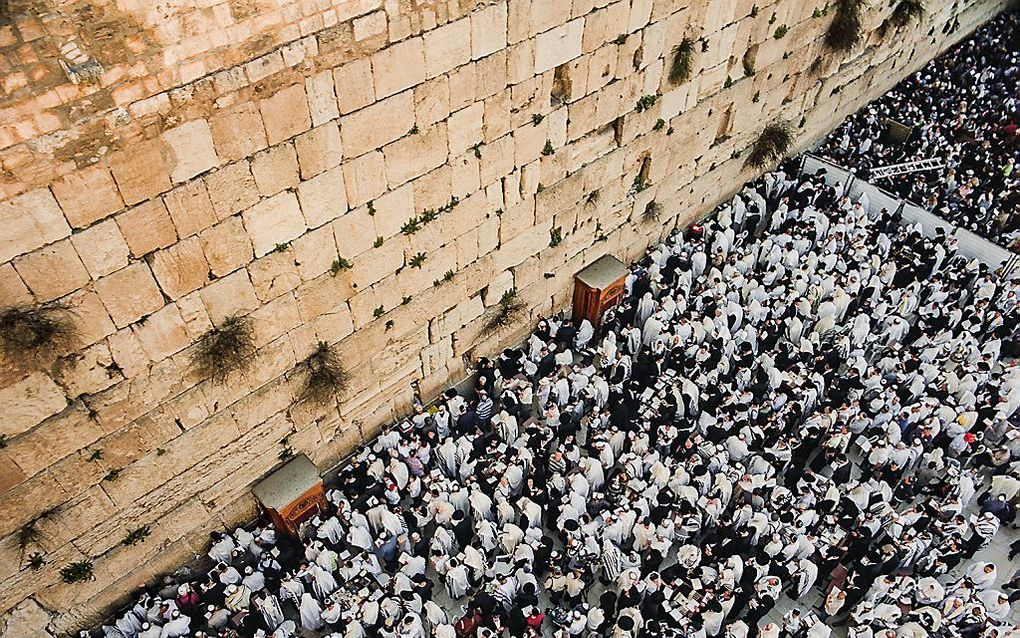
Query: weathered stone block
pixel 190 208
pixel 319 149
pixel 275 169
pixel 322 102
pixel 354 86
pixel 466 128
pixel 233 294
pixel 354 233
pixel 432 101
pixel 87 195
pixel 28 402
pixel 141 172
pixel 163 333
pixel 559 45
pixel 323 198
pixel 30 221
pixel 273 222
pixel 488 30
pixel 129 294
pixel 226 246
pixel 415 155
pixel 397 67
pixel 238 132
pixel 377 125
pixel 232 189
pixel 447 47
pixel 285 114
pixel 191 150
pixel 12 289
pixel 147 227
pixel 181 268
pixel 365 178
pixel 52 271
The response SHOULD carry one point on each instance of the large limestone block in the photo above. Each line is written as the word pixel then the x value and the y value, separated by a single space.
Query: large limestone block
pixel 227 246
pixel 147 227
pixel 559 45
pixel 274 222
pixel 415 155
pixel 233 294
pixel 323 198
pixel 191 150
pixel 238 132
pixel 52 271
pixel 354 86
pixel 354 233
pixel 319 149
pixel 447 47
pixel 322 98
pixel 232 189
pixel 102 248
pixel 30 221
pixel 285 114
pixel 141 171
pixel 398 67
pixel 54 439
pixel 28 402
pixel 275 169
pixel 377 125
pixel 163 333
pixel 365 178
pixel 181 268
pixel 87 195
pixel 129 294
pixel 190 207
pixel 27 620
pixel 465 128
pixel 488 30
pixel 432 101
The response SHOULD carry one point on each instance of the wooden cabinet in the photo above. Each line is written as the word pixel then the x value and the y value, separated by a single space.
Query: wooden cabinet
pixel 597 288
pixel 291 495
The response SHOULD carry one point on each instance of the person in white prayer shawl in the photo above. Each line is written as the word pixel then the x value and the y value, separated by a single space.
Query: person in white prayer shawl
pixel 311 613
pixel 177 626
pixel 457 581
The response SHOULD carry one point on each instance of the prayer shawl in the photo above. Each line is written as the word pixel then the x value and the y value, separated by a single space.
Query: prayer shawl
pixel 311 613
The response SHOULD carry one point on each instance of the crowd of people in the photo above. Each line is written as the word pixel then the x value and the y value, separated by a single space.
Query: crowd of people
pixel 806 398
pixel 964 110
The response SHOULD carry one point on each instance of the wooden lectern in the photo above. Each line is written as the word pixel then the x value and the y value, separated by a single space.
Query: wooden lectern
pixel 597 288
pixel 291 495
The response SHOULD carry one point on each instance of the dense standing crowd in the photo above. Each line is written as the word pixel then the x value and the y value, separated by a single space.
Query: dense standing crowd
pixel 806 399
pixel 964 108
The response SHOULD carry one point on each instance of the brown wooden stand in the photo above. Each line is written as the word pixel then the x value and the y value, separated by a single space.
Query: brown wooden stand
pixel 597 288
pixel 291 495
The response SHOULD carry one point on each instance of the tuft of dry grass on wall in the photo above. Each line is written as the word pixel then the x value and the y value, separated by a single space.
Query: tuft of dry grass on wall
pixel 905 12
pixel 683 62
pixel 30 333
pixel 772 145
pixel 225 348
pixel 846 26
pixel 509 309
pixel 326 379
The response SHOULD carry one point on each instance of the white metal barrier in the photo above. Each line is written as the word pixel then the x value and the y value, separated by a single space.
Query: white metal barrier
pixel 970 244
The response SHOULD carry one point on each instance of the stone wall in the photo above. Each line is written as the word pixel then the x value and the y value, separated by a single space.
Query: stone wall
pixel 167 165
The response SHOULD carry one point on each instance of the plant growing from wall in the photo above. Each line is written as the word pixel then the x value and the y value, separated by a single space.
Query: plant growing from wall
pixel 652 212
pixel 845 29
pixel 548 150
pixel 136 536
pixel 506 312
pixel 659 124
pixel 30 333
pixel 378 241
pixel 771 145
pixel 225 348
pixel 592 198
pixel 325 378
pixel 411 226
pixel 77 572
pixel 781 32
pixel 339 264
pixel 536 119
pixel 379 311
pixel 682 66
pixel 905 12
pixel 646 102
pixel 36 561
pixel 428 216
pixel 748 62
pixel 418 260
pixel 555 236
